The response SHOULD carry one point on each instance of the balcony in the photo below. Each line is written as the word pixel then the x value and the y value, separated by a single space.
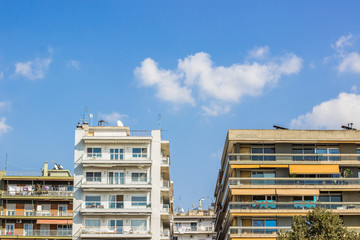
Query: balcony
pixel 116 207
pixel 15 214
pixel 21 233
pixel 291 158
pixel 94 159
pixel 65 195
pixel 165 184
pixel 165 233
pixel 119 182
pixel 192 230
pixel 256 230
pixel 165 161
pixel 331 183
pixel 268 208
pixel 115 232
pixel 165 208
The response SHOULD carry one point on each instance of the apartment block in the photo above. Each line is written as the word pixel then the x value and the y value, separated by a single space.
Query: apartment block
pixel 37 207
pixel 194 225
pixel 268 176
pixel 122 184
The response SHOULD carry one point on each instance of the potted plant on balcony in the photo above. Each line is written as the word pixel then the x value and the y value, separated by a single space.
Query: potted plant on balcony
pixel 347 172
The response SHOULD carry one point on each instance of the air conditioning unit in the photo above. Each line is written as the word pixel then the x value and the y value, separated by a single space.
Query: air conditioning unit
pixel 18 221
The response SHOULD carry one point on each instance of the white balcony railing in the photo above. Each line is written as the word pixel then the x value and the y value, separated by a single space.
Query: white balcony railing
pixel 350 206
pixel 294 181
pixel 116 180
pixel 256 230
pixel 165 183
pixel 37 194
pixel 165 161
pixel 116 205
pixel 116 230
pixel 165 208
pixel 116 157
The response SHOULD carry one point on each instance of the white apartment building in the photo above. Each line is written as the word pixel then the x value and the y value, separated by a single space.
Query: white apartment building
pixel 194 225
pixel 121 184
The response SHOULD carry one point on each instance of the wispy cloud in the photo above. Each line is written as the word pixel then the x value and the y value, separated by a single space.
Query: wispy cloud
pixel 73 64
pixel 259 52
pixel 196 81
pixel 331 114
pixel 4 105
pixel 34 69
pixel 113 117
pixel 348 61
pixel 4 127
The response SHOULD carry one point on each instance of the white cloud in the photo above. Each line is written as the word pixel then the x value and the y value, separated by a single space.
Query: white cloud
pixel 350 63
pixel 259 52
pixel 113 117
pixel 166 81
pixel 344 41
pixel 73 64
pixel 33 70
pixel 197 75
pixel 331 114
pixel 4 128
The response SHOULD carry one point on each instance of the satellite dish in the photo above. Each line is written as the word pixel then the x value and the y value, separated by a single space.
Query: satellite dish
pixel 119 123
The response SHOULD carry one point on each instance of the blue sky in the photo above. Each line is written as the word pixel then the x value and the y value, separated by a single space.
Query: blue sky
pixel 205 66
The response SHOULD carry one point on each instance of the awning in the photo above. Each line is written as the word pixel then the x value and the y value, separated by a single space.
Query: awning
pixel 252 191
pixel 245 166
pixel 314 169
pixel 48 221
pixel 297 192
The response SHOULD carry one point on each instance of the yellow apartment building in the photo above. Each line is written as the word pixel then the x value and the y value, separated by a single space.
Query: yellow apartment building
pixel 268 176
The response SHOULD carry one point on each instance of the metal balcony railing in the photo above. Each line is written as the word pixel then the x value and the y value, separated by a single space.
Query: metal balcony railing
pixel 37 194
pixel 36 233
pixel 292 157
pixel 116 157
pixel 27 213
pixel 257 230
pixel 116 230
pixel 294 205
pixel 294 181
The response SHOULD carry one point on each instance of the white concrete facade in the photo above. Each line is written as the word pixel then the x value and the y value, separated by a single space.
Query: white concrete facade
pixel 121 184
pixel 194 225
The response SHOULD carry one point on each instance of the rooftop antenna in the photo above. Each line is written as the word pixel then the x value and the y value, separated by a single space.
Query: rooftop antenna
pixel 84 115
pixel 6 162
pixel 278 127
pixel 91 118
pixel 348 127
pixel 159 119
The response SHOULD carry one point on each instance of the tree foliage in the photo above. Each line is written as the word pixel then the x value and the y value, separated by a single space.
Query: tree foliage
pixel 318 224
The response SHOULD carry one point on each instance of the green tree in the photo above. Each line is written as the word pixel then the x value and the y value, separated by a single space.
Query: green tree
pixel 318 224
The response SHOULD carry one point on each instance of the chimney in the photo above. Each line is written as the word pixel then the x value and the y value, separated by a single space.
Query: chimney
pixel 45 170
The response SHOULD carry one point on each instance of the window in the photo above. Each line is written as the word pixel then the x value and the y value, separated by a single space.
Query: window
pixel 139 152
pixel 62 210
pixel 93 176
pixel 324 150
pixel 92 201
pixel 116 201
pixel 308 151
pixel 116 154
pixel 92 223
pixel 116 178
pixel 193 226
pixel 260 223
pixel 10 209
pixel 9 228
pixel 138 200
pixel 139 177
pixel 64 230
pixel 28 229
pixel 138 225
pixel 94 152
pixel 29 209
pixel 262 150
pixel 358 152
pixel 116 226
pixel 263 174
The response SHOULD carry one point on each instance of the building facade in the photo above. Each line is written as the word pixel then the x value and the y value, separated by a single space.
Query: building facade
pixel 194 225
pixel 122 184
pixel 268 176
pixel 37 207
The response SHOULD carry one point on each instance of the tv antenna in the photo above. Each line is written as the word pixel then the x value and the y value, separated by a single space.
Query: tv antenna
pixel 159 120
